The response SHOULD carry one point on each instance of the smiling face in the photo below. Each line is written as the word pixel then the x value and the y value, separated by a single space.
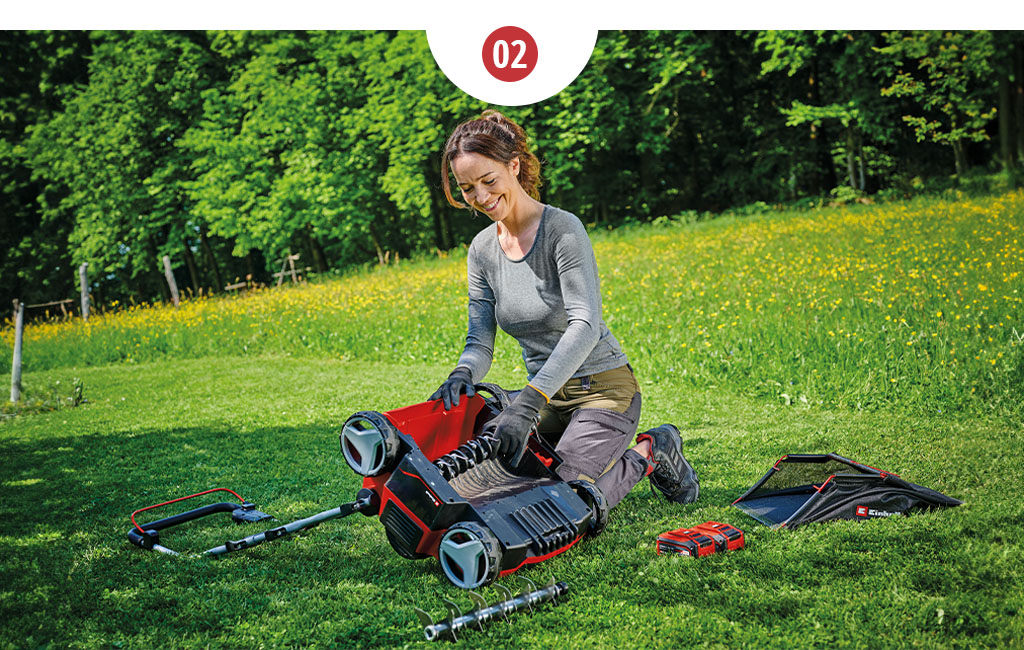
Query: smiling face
pixel 488 185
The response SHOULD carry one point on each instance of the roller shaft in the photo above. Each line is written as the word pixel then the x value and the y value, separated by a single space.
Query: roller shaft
pixel 503 608
pixel 468 455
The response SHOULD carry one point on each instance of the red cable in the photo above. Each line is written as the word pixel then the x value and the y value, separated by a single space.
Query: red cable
pixel 191 496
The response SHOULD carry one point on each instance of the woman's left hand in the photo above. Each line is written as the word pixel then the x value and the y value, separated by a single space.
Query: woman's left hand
pixel 513 425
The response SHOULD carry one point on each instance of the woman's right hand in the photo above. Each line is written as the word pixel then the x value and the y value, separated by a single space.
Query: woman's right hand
pixel 460 381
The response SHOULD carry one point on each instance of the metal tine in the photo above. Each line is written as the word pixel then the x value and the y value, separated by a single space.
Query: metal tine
pixel 424 617
pixel 453 610
pixel 506 595
pixel 480 604
pixel 554 592
pixel 528 587
pixel 477 599
pixel 526 584
pixel 453 613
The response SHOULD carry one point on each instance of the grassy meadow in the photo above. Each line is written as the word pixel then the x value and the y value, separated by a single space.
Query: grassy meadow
pixel 892 334
pixel 914 304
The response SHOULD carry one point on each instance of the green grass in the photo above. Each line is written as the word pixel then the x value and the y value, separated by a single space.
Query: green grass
pixel 266 427
pixel 892 334
pixel 916 304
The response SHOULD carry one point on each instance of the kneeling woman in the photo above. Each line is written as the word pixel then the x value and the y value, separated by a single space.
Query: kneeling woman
pixel 532 272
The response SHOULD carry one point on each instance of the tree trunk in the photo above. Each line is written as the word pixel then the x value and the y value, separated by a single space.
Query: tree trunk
pixel 218 284
pixel 825 178
pixel 193 271
pixel 319 258
pixel 1018 98
pixel 862 164
pixel 443 238
pixel 1006 124
pixel 250 265
pixel 851 155
pixel 960 157
pixel 376 245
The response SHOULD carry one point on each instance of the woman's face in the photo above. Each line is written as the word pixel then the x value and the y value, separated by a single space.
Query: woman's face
pixel 488 185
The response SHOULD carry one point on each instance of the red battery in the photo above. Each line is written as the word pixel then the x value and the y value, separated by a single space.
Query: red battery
pixel 686 541
pixel 700 540
pixel 727 538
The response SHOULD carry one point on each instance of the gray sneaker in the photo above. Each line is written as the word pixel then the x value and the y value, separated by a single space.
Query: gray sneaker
pixel 673 475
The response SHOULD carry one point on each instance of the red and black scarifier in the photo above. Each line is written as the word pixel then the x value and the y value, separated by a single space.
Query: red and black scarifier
pixel 433 479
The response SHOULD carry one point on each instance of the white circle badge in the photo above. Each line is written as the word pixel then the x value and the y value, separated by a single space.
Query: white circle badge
pixel 512 64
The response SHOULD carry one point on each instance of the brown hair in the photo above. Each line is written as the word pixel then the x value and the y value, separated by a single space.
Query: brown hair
pixel 495 136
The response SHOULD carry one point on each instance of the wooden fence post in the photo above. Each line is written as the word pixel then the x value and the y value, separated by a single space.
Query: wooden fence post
pixel 19 320
pixel 170 280
pixel 83 282
pixel 284 265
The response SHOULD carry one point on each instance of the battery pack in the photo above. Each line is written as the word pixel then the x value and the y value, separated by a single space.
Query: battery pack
pixel 727 538
pixel 685 541
pixel 701 540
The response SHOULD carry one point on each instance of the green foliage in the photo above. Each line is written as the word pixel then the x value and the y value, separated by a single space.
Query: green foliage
pixel 37 72
pixel 227 150
pixel 115 147
pixel 949 76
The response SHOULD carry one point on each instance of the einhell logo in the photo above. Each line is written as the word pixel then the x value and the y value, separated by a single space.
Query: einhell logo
pixel 864 511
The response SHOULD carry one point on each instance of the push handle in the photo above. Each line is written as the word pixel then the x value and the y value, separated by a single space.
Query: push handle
pixel 167 503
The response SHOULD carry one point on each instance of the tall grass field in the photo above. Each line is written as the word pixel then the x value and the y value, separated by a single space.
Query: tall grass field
pixel 892 334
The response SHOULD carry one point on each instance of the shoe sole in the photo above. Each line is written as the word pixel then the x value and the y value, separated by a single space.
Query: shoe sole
pixel 678 440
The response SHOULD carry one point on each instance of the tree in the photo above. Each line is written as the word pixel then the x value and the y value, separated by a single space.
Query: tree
pixel 949 77
pixel 842 68
pixel 115 147
pixel 39 70
pixel 1008 62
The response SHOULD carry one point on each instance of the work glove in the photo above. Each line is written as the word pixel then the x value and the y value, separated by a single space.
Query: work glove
pixel 460 381
pixel 513 424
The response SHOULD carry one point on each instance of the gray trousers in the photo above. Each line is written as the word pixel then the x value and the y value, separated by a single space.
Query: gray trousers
pixel 591 422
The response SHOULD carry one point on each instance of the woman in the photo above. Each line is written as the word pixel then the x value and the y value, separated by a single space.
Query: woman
pixel 532 272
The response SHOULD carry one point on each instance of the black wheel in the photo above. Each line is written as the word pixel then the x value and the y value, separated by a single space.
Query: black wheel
pixel 470 555
pixel 593 497
pixel 370 443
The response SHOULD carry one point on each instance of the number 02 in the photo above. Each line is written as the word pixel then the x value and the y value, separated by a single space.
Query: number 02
pixel 501 52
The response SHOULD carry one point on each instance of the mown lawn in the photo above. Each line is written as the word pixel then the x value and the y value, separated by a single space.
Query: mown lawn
pixel 891 334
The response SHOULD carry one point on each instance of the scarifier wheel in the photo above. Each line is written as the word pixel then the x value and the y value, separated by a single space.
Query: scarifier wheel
pixel 370 443
pixel 593 497
pixel 470 555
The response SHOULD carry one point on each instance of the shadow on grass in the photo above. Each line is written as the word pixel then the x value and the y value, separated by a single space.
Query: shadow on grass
pixel 89 480
pixel 69 572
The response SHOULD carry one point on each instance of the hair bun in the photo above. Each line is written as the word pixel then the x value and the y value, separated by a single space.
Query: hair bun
pixel 514 131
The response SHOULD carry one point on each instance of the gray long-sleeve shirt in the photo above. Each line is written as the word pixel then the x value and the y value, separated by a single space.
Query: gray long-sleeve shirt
pixel 549 301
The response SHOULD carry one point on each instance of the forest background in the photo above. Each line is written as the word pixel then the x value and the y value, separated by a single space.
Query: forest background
pixel 228 150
